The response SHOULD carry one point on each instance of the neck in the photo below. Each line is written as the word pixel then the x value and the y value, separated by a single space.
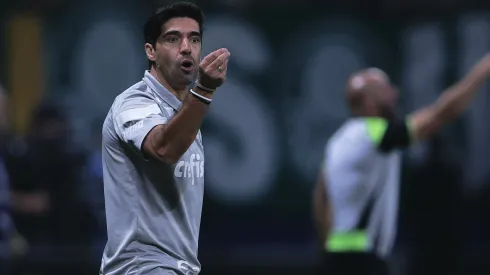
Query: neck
pixel 180 93
pixel 358 112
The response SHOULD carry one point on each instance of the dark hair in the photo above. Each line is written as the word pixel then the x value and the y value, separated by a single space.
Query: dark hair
pixel 153 26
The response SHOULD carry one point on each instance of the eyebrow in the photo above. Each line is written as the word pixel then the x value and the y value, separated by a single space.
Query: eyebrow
pixel 175 32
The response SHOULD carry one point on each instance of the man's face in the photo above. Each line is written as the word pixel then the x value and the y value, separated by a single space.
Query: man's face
pixel 387 98
pixel 178 50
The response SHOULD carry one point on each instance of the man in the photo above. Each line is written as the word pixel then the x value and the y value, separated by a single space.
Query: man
pixel 6 228
pixel 153 159
pixel 93 190
pixel 356 196
pixel 46 207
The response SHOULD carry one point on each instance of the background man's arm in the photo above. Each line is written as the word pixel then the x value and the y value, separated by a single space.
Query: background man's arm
pixel 450 104
pixel 422 124
pixel 322 211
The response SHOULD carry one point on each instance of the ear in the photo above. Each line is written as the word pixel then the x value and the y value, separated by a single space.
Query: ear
pixel 150 52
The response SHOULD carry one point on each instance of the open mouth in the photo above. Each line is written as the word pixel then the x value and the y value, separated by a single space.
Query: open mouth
pixel 187 65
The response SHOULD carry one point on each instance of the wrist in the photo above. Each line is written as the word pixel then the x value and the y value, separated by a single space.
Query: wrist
pixel 205 87
pixel 200 97
pixel 202 92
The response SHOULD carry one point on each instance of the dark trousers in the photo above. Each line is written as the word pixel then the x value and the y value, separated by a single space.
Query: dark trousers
pixel 353 264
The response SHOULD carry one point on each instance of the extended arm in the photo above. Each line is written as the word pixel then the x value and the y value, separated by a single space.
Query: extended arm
pixel 168 142
pixel 322 211
pixel 453 101
pixel 423 123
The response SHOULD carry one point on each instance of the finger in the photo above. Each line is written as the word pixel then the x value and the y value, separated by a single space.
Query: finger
pixel 218 61
pixel 225 63
pixel 217 65
pixel 224 69
pixel 211 57
pixel 208 59
pixel 222 75
pixel 224 66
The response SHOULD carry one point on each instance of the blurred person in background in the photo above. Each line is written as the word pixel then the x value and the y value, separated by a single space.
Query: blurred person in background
pixel 45 173
pixel 94 192
pixel 356 196
pixel 6 227
pixel 153 154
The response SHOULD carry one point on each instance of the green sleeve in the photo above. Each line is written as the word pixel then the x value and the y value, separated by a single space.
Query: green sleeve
pixel 389 134
pixel 376 128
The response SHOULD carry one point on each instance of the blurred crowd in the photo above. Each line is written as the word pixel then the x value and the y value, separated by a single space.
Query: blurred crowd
pixel 51 197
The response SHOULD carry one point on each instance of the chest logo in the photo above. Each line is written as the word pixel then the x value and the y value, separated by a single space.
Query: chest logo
pixel 193 168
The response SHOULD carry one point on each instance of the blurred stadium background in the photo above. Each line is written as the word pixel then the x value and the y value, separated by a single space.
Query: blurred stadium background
pixel 62 63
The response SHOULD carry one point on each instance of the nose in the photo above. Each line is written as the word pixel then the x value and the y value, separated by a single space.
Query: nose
pixel 185 47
